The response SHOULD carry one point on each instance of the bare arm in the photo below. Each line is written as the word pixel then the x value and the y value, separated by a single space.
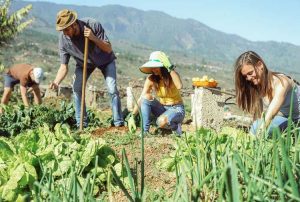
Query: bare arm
pixel 102 44
pixel 280 90
pixel 37 94
pixel 176 79
pixel 6 95
pixel 61 74
pixel 23 95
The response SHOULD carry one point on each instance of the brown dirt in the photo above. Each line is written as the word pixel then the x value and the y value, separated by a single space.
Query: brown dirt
pixel 156 148
pixel 100 132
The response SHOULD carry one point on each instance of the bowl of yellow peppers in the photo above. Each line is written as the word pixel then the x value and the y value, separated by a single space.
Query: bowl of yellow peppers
pixel 205 81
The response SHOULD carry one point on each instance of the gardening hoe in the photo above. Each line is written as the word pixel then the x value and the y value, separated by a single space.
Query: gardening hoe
pixel 86 48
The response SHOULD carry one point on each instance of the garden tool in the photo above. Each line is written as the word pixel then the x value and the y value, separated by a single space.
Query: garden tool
pixel 86 48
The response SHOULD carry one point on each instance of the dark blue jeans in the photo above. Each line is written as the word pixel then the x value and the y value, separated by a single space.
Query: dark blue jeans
pixel 109 73
pixel 174 113
pixel 9 81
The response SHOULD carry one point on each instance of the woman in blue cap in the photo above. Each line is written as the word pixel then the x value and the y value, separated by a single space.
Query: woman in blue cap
pixel 165 82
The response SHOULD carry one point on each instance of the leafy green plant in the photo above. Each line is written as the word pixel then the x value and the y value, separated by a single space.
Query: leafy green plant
pixel 52 165
pixel 19 118
pixel 11 24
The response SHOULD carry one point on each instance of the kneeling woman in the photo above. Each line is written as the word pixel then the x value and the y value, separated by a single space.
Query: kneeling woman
pixel 259 89
pixel 165 82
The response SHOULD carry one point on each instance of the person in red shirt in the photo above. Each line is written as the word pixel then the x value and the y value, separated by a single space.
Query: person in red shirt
pixel 28 76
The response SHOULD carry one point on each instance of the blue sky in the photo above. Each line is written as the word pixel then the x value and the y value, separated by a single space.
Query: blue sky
pixel 256 20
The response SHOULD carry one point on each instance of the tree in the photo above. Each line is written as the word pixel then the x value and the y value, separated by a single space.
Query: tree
pixel 11 24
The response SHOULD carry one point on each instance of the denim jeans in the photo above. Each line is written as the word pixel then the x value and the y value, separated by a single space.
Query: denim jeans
pixel 277 122
pixel 174 113
pixel 9 81
pixel 109 73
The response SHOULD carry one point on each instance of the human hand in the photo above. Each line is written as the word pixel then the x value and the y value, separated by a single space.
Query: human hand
pixel 88 33
pixel 166 62
pixel 53 85
pixel 261 130
pixel 131 123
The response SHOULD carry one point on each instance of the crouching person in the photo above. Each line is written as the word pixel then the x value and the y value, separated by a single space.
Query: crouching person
pixel 271 97
pixel 165 83
pixel 28 76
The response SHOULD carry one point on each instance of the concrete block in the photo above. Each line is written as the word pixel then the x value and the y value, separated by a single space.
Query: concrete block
pixel 133 92
pixel 207 108
pixel 130 99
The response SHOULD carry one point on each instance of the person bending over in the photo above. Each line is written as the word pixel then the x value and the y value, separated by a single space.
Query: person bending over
pixel 267 95
pixel 28 76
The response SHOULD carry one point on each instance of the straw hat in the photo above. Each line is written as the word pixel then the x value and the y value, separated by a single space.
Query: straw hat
pixel 65 18
pixel 154 62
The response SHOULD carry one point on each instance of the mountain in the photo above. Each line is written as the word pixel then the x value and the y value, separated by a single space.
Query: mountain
pixel 157 30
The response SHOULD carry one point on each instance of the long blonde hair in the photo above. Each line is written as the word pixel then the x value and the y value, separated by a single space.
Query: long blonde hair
pixel 249 96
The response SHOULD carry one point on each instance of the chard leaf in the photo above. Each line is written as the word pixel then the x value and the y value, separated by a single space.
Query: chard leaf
pixel 12 184
pixel 63 166
pixel 29 177
pixel 7 150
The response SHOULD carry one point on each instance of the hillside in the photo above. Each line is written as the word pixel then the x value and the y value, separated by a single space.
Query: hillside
pixel 40 49
pixel 157 30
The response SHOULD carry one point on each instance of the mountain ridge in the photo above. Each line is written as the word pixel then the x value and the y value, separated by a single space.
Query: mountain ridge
pixel 159 30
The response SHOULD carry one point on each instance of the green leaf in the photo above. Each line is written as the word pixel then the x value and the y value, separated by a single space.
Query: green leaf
pixel 7 149
pixel 63 166
pixel 29 176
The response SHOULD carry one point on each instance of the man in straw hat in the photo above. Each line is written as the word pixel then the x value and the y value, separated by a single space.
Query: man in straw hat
pixel 164 82
pixel 28 76
pixel 71 43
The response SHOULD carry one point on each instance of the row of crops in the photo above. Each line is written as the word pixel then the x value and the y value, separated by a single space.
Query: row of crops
pixel 43 158
pixel 43 164
pixel 234 166
pixel 230 166
pixel 19 118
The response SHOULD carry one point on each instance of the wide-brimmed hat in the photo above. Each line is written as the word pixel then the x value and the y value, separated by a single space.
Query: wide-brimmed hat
pixel 154 62
pixel 65 18
pixel 38 74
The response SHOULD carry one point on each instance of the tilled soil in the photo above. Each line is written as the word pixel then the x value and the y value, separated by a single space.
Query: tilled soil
pixel 155 149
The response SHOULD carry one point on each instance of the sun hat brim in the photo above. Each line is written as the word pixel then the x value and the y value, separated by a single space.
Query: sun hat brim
pixel 69 23
pixel 146 68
